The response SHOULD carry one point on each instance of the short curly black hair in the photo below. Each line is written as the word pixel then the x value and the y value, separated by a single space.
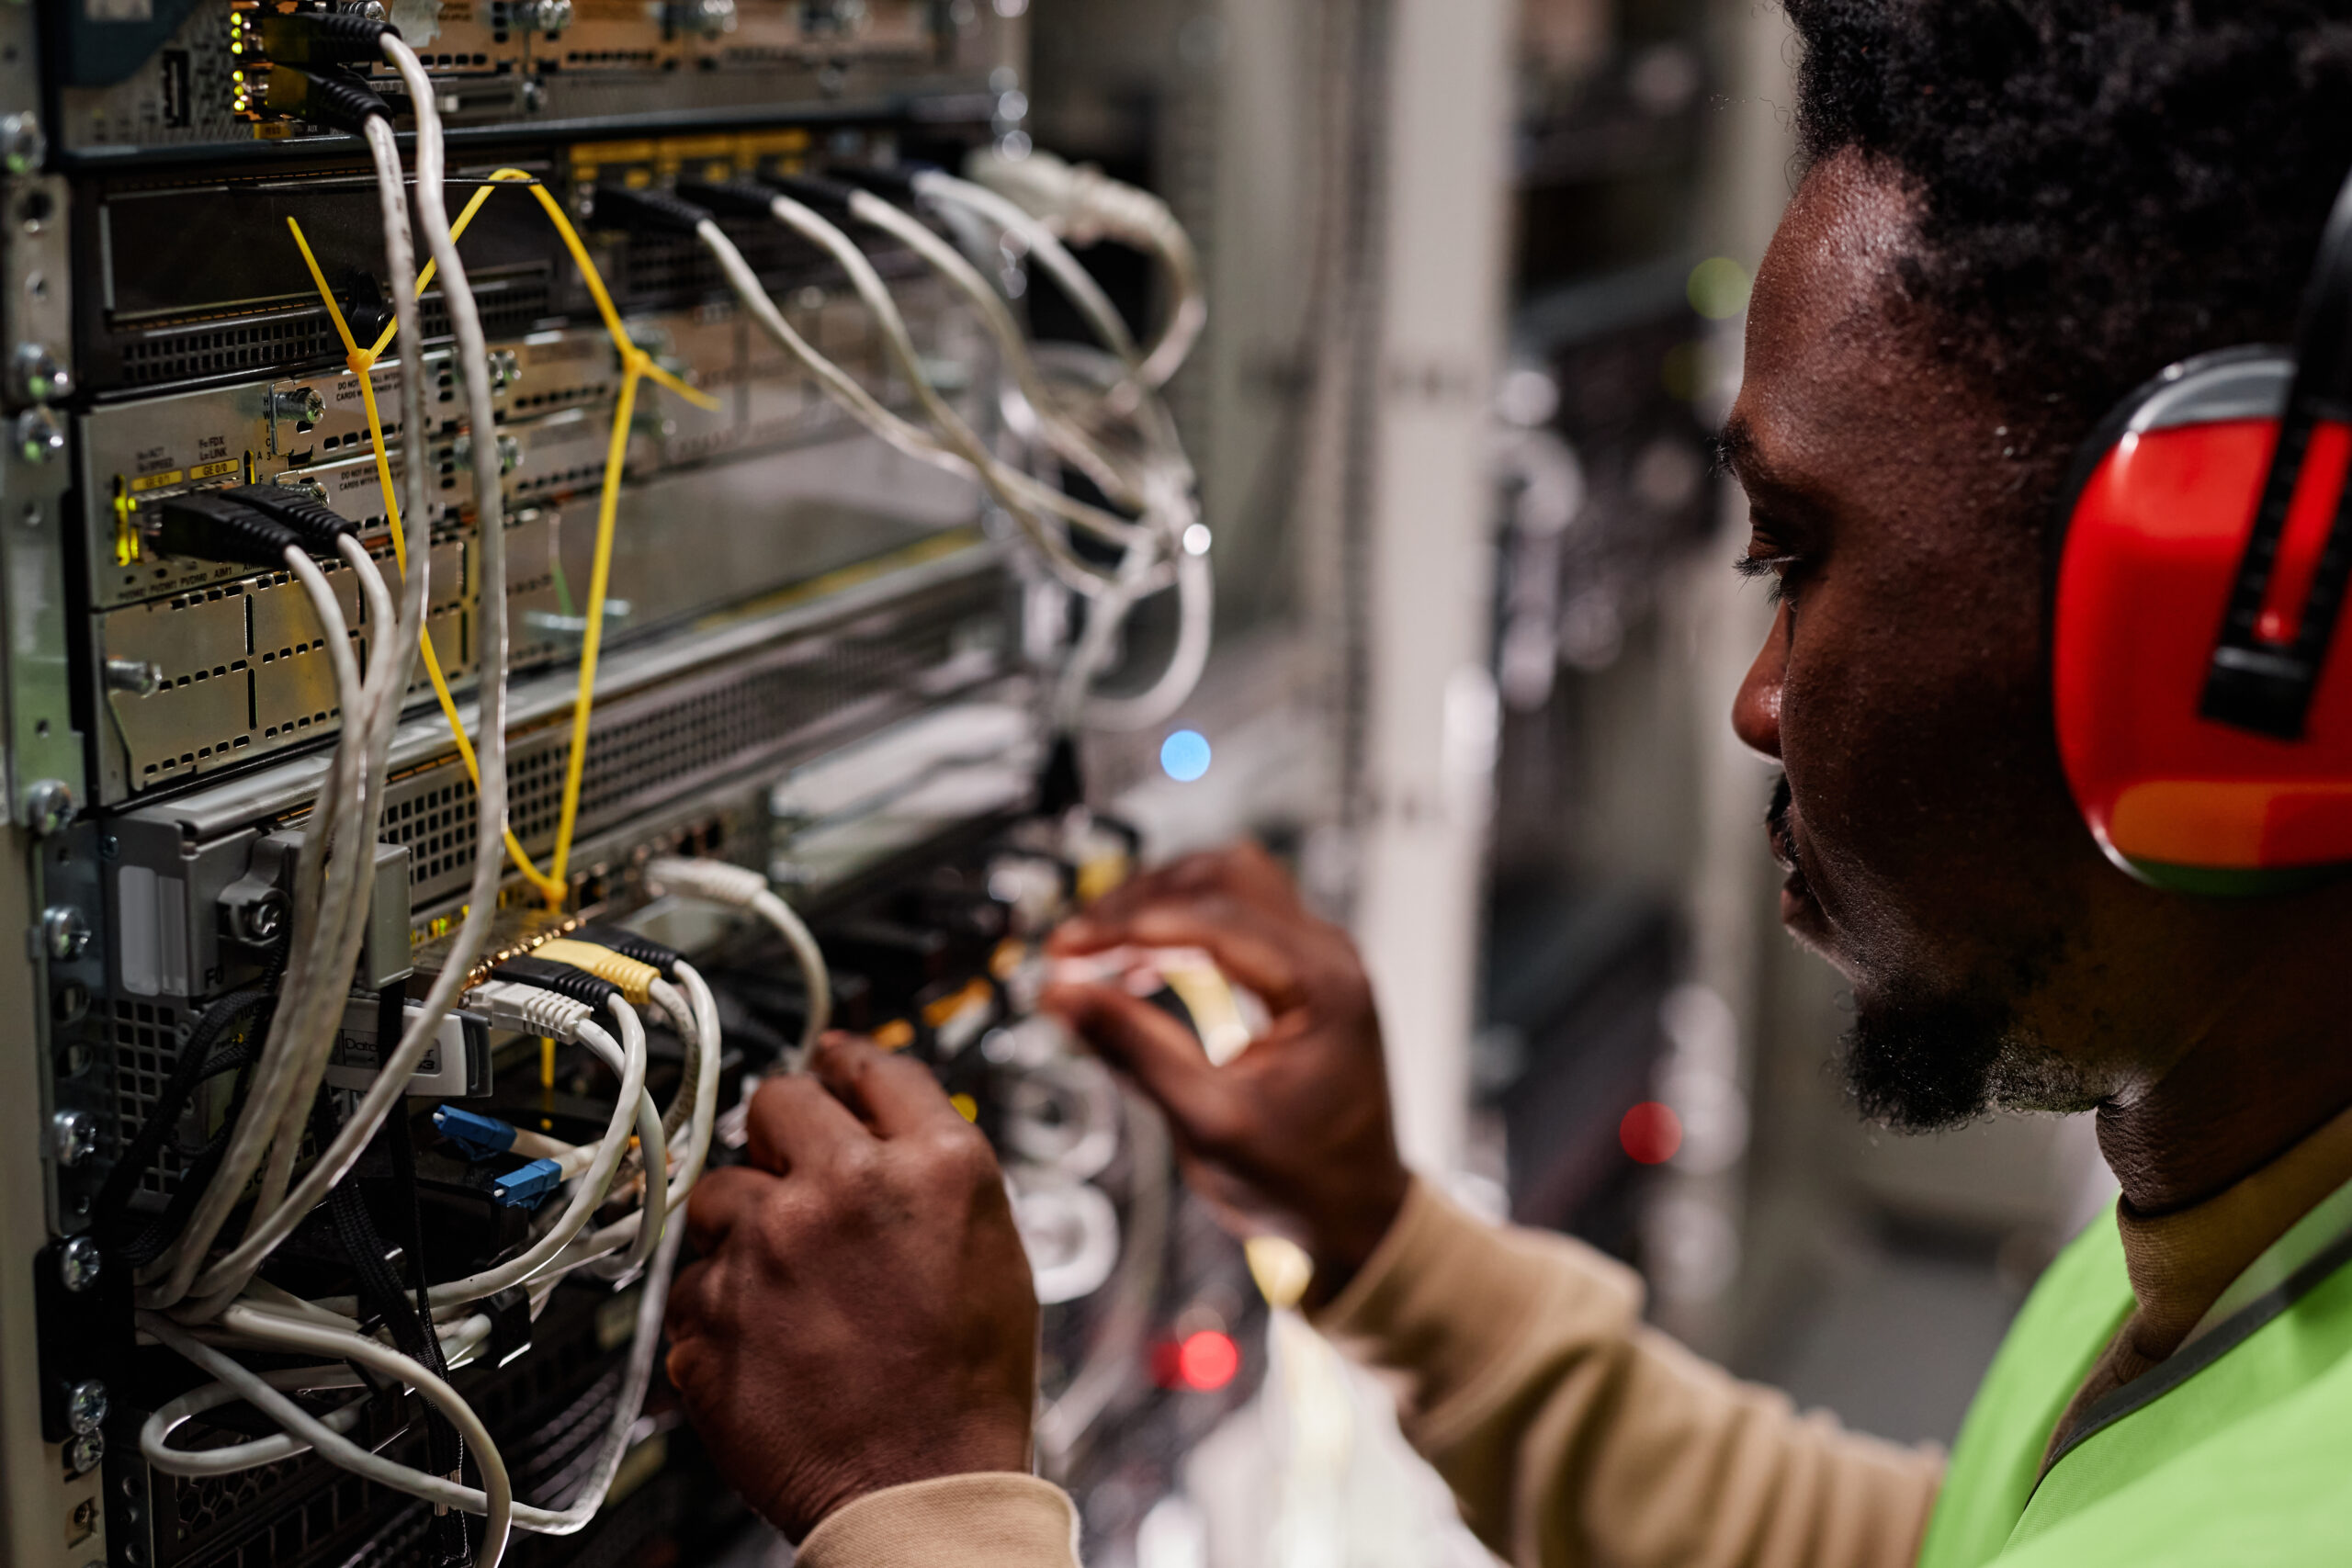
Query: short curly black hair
pixel 2107 186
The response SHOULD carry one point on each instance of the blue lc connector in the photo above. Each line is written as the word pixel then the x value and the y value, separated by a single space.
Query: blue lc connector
pixel 525 1186
pixel 484 1137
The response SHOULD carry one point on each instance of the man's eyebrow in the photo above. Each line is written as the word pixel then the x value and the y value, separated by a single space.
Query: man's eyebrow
pixel 1739 454
pixel 1734 450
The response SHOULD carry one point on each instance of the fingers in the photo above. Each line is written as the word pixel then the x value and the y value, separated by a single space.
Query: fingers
pixel 794 1122
pixel 684 1317
pixel 1255 947
pixel 1159 1053
pixel 1250 872
pixel 894 1095
pixel 1244 871
pixel 720 1201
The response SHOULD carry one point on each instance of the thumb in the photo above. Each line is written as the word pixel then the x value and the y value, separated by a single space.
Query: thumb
pixel 1161 1054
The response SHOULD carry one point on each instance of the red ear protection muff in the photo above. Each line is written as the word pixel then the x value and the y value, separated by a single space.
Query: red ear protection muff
pixel 2205 729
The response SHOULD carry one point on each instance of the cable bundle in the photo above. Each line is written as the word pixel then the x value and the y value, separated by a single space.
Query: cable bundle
pixel 1098 413
pixel 209 1304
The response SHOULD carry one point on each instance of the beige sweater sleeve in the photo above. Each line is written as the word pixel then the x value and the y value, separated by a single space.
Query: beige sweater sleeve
pixel 1573 1436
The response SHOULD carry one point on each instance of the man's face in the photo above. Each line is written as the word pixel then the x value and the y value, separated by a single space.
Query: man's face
pixel 1934 854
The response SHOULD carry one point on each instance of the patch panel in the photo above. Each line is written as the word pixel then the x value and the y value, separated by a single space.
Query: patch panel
pixel 162 76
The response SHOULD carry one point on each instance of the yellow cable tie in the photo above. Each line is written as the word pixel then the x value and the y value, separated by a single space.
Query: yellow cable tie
pixel 456 231
pixel 362 363
pixel 613 328
pixel 637 365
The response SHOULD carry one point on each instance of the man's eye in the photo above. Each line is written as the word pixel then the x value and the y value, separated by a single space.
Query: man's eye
pixel 1764 559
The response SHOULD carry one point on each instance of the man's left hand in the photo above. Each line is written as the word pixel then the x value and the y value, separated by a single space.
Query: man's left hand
pixel 863 1314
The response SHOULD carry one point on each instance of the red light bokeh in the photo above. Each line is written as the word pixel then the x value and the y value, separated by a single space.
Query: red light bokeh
pixel 1650 1133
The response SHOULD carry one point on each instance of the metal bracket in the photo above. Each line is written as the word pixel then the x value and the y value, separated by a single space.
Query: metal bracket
pixel 45 753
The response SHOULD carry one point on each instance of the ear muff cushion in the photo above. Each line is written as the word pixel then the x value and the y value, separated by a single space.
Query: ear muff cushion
pixel 2159 516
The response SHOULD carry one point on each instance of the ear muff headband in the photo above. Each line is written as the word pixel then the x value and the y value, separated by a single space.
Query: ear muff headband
pixel 2256 683
pixel 2215 497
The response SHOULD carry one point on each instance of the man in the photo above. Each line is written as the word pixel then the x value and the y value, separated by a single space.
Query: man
pixel 2014 210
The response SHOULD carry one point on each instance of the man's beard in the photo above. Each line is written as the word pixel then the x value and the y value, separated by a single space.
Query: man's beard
pixel 1922 1063
pixel 1922 1060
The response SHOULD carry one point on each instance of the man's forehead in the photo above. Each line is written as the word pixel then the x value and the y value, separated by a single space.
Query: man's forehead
pixel 1837 246
pixel 1824 358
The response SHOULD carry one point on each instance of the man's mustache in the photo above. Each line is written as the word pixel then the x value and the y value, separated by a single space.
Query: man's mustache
pixel 1775 825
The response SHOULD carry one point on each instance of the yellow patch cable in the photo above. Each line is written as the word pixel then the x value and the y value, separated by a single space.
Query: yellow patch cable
pixel 635 979
pixel 636 365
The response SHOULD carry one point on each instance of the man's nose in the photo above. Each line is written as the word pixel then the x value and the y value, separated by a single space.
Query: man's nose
pixel 1755 712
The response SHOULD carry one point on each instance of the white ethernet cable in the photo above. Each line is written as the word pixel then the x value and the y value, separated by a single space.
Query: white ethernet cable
pixel 636 1376
pixel 270 1228
pixel 154 1435
pixel 312 992
pixel 640 1230
pixel 392 654
pixel 345 835
pixel 530 1010
pixel 698 1098
pixel 685 1019
pixel 705 1108
pixel 1075 702
pixel 718 881
pixel 1081 203
pixel 942 189
pixel 494 1500
pixel 1013 489
pixel 526 1008
pixel 1069 443
pixel 325 1435
pixel 1093 206
pixel 1017 490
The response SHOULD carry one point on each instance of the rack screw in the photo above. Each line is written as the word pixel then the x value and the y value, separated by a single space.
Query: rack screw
pixel 73 1137
pixel 78 1262
pixel 38 376
pixel 22 145
pixel 510 452
pixel 86 1405
pixel 39 435
pixel 64 933
pixel 85 1453
pixel 302 404
pixel 49 805
pixel 136 676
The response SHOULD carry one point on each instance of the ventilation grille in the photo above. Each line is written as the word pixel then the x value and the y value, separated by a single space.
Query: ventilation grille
pixel 509 308
pixel 184 356
pixel 143 1047
pixel 655 748
pixel 145 1040
pixel 547 1409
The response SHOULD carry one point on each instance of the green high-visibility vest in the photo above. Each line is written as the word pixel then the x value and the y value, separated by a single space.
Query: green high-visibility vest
pixel 2236 1450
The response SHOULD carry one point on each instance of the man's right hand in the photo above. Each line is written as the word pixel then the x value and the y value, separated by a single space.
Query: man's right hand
pixel 1295 1136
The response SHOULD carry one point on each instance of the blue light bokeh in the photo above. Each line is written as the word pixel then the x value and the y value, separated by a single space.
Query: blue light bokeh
pixel 1185 756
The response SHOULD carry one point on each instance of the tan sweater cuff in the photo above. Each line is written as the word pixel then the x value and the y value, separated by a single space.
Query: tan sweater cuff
pixel 994 1520
pixel 1405 1311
